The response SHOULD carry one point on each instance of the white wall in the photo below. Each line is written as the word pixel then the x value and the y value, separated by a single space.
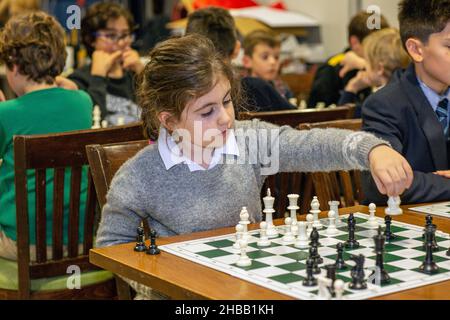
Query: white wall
pixel 334 16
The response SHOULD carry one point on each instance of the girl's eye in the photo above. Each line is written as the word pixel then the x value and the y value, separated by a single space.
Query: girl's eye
pixel 226 102
pixel 206 114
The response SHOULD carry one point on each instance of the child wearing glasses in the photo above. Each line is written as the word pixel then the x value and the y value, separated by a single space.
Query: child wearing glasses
pixel 107 33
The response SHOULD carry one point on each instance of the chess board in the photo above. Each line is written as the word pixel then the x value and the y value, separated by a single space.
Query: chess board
pixel 282 268
pixel 438 209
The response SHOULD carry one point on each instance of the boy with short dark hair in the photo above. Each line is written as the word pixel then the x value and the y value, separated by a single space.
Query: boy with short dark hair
pixel 262 59
pixel 33 50
pixel 412 111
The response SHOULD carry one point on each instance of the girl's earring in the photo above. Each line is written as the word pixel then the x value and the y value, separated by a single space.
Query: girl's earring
pixel 176 136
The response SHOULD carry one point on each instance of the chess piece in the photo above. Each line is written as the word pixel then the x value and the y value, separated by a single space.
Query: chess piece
pixel 293 207
pixel 140 240
pixel 263 238
pixel 315 256
pixel 429 266
pixel 120 121
pixel 314 237
pixel 302 239
pixel 288 237
pixel 239 234
pixel 393 208
pixel 309 223
pixel 428 222
pixel 357 274
pixel 96 117
pixel 153 249
pixel 268 200
pixel 340 262
pixel 331 274
pixel 331 230
pixel 339 289
pixel 324 287
pixel 351 243
pixel 334 206
pixel 448 252
pixel 372 223
pixel 315 210
pixel 309 281
pixel 387 231
pixel 244 222
pixel 244 260
pixel 380 275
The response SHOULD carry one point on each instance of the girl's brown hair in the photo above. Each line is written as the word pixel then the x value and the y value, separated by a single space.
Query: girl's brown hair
pixel 180 70
pixel 35 43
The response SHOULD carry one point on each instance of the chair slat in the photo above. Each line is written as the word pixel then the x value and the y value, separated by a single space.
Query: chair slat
pixel 58 211
pixel 91 204
pixel 41 215
pixel 74 211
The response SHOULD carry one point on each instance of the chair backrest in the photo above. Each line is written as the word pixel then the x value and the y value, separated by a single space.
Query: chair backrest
pixel 294 117
pixel 299 83
pixel 344 186
pixel 105 160
pixel 60 152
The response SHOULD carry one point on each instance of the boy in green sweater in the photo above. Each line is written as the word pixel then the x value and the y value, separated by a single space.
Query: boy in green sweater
pixel 33 50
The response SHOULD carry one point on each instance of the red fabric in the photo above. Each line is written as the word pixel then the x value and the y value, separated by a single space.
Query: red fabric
pixel 229 4
pixel 278 5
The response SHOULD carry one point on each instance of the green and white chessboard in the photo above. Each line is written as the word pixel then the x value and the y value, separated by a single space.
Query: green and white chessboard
pixel 438 209
pixel 282 267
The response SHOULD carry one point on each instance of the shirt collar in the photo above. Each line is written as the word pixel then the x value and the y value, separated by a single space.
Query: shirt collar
pixel 432 96
pixel 171 153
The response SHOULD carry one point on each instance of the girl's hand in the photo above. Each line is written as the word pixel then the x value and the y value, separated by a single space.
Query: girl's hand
pixel 350 62
pixel 359 82
pixel 132 61
pixel 443 173
pixel 391 172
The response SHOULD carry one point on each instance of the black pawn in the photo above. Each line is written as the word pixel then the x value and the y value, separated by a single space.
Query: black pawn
pixel 429 266
pixel 314 237
pixel 340 262
pixel 153 249
pixel 351 243
pixel 140 242
pixel 357 274
pixel 387 232
pixel 310 281
pixel 331 274
pixel 380 272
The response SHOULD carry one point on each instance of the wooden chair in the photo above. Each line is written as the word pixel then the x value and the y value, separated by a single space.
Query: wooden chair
pixel 104 161
pixel 299 83
pixel 295 117
pixel 344 186
pixel 59 152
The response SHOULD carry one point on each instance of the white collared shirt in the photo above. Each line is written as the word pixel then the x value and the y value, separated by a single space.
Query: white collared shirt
pixel 172 155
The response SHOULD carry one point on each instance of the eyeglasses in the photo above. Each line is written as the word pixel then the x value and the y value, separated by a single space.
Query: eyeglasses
pixel 115 38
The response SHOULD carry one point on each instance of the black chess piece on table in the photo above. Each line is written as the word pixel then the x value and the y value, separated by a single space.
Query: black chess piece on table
pixel 380 274
pixel 331 274
pixel 153 249
pixel 340 262
pixel 309 281
pixel 429 266
pixel 314 237
pixel 357 273
pixel 140 240
pixel 387 232
pixel 351 243
pixel 313 255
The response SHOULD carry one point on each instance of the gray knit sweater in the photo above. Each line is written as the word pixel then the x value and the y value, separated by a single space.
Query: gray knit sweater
pixel 177 201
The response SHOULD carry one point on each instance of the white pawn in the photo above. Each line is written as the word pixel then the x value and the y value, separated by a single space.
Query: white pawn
pixel 288 237
pixel 239 234
pixel 339 289
pixel 244 260
pixel 334 205
pixel 315 210
pixel 309 223
pixel 245 222
pixel 393 208
pixel 302 239
pixel 324 283
pixel 263 238
pixel 372 223
pixel 332 230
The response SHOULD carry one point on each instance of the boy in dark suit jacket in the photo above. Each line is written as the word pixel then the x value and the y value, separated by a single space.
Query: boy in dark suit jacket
pixel 412 111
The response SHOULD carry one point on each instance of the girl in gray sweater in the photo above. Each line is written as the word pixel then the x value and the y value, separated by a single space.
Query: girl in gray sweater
pixel 205 165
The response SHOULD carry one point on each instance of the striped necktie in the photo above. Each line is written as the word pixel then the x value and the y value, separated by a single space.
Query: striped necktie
pixel 442 114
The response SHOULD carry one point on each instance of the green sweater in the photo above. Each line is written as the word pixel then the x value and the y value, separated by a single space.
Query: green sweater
pixel 38 112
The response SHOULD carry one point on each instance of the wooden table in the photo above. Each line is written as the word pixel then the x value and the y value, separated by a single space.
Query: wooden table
pixel 183 279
